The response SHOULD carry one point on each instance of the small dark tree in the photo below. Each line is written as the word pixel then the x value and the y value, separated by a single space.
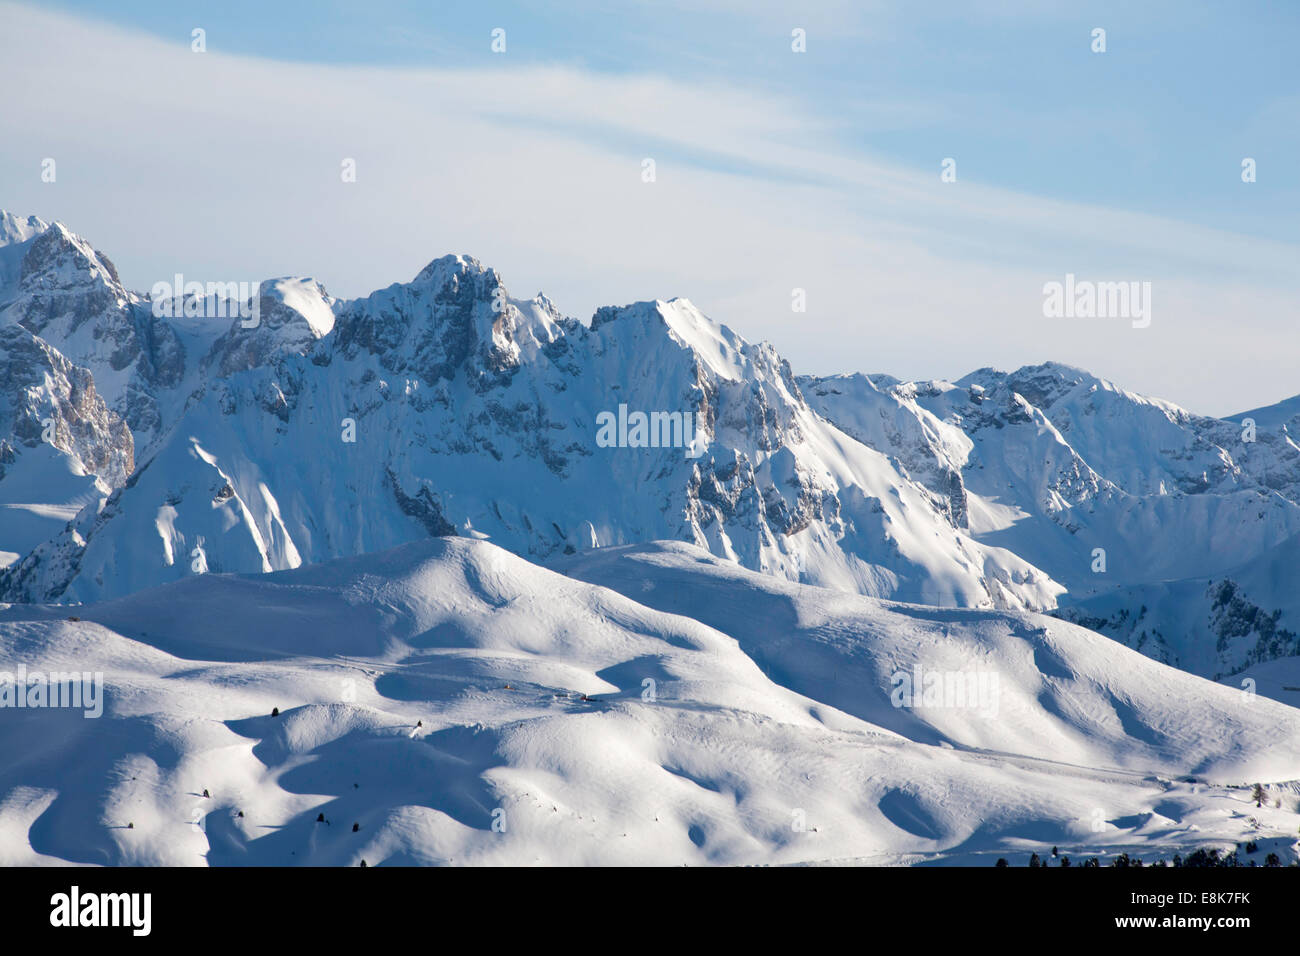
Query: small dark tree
pixel 1034 860
pixel 1002 861
pixel 1258 795
pixel 356 827
pixel 1203 859
pixel 275 711
pixel 1272 860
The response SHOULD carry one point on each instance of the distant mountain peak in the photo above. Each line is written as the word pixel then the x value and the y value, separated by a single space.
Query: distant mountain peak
pixel 445 269
pixel 15 228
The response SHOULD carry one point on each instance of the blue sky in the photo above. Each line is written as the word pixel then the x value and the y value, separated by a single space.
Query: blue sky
pixel 818 169
pixel 1159 123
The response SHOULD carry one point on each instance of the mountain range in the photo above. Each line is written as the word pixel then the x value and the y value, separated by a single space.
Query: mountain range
pixel 442 575
pixel 138 447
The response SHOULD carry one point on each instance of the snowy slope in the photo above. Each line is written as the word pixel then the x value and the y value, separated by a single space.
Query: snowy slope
pixel 1276 416
pixel 1053 463
pixel 1064 692
pixel 1112 493
pixel 1278 678
pixel 460 705
pixel 1212 626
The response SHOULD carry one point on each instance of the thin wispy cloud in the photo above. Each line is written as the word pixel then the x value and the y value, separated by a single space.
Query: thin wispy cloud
pixel 229 164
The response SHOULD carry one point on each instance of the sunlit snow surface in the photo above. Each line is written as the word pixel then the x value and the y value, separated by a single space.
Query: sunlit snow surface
pixel 434 695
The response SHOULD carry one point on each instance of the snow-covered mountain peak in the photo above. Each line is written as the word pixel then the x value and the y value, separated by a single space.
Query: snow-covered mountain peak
pixel 720 349
pixel 850 381
pixel 449 269
pixel 306 298
pixel 1057 386
pixel 16 235
pixel 1041 385
pixel 543 302
pixel 59 260
pixel 454 316
pixel 293 315
pixel 15 229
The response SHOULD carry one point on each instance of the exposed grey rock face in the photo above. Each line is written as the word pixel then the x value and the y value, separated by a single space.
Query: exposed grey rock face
pixel 292 315
pixel 440 324
pixel 1233 616
pixel 71 296
pixel 44 398
pixel 1217 629
pixel 882 413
